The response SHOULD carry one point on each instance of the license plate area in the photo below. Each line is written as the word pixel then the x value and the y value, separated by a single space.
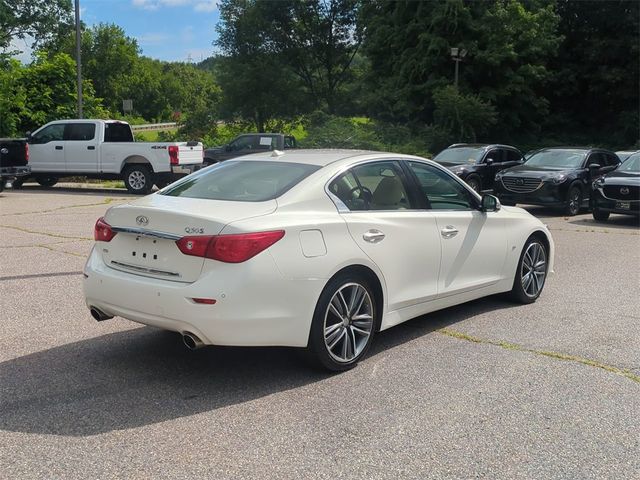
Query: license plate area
pixel 623 205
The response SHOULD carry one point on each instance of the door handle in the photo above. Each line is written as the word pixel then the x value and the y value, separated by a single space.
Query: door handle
pixel 58 147
pixel 373 236
pixel 449 231
pixel 91 147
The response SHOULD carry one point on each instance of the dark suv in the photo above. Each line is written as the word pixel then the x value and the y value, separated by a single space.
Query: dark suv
pixel 477 164
pixel 555 177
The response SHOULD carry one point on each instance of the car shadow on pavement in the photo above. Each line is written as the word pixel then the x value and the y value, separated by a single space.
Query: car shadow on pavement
pixel 615 222
pixel 83 191
pixel 144 376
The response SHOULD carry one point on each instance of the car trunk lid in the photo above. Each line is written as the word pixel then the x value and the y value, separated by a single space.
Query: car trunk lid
pixel 147 231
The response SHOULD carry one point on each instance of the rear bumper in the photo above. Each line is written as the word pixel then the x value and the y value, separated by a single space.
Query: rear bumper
pixel 255 304
pixel 13 172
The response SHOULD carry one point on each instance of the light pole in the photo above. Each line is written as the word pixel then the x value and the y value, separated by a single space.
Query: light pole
pixel 78 60
pixel 457 55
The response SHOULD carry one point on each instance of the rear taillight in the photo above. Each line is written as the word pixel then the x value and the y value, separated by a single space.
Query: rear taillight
pixel 235 248
pixel 102 231
pixel 173 155
pixel 26 152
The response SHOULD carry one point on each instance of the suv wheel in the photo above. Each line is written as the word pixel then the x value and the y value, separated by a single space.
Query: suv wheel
pixel 574 201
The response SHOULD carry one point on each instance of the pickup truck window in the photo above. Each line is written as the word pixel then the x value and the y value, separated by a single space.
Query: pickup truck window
pixel 242 181
pixel 80 131
pixel 52 133
pixel 117 132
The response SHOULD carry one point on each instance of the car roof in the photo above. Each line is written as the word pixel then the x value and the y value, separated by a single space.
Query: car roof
pixel 482 145
pixel 569 147
pixel 321 157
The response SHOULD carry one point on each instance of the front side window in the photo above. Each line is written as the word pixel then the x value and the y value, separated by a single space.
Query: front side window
pixel 242 143
pixel 52 133
pixel 440 190
pixel 80 131
pixel 242 181
pixel 495 156
pixel 513 156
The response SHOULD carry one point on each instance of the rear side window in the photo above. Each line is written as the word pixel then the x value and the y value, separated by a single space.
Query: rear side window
pixel 242 181
pixel 80 131
pixel 372 186
pixel 117 132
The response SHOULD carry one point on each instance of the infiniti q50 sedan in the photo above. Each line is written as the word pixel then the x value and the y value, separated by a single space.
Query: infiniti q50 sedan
pixel 314 249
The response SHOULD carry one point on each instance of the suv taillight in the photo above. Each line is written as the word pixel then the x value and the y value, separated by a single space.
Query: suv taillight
pixel 236 248
pixel 26 152
pixel 173 155
pixel 102 231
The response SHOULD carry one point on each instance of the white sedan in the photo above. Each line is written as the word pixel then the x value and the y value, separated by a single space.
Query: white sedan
pixel 315 249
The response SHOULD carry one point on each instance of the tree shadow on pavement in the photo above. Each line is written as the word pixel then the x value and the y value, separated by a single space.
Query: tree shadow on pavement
pixel 145 376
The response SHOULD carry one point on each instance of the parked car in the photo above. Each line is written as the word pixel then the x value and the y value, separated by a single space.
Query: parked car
pixel 624 154
pixel 311 249
pixel 477 164
pixel 618 191
pixel 555 177
pixel 14 158
pixel 106 149
pixel 247 144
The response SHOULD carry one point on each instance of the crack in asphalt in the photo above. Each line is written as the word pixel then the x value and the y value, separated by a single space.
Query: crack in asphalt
pixel 35 232
pixel 550 354
pixel 106 201
pixel 39 275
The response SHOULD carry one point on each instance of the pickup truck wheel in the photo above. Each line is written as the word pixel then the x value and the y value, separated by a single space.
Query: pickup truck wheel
pixel 47 181
pixel 137 179
pixel 17 183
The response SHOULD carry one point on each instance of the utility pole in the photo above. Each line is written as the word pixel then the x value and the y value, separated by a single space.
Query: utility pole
pixel 78 59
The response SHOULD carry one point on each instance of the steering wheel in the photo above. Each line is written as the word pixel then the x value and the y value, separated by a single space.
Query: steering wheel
pixel 362 189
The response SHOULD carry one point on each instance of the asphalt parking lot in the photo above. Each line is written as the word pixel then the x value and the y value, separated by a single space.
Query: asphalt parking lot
pixel 487 389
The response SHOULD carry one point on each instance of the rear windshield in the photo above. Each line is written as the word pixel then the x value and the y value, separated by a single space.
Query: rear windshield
pixel 242 181
pixel 459 155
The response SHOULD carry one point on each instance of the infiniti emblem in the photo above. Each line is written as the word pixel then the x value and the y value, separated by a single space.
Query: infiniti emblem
pixel 142 220
pixel 624 191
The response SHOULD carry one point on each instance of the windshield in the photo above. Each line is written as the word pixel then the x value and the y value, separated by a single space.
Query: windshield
pixel 557 158
pixel 631 164
pixel 459 155
pixel 242 181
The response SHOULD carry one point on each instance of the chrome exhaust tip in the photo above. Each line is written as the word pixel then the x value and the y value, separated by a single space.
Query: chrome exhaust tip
pixel 99 315
pixel 191 341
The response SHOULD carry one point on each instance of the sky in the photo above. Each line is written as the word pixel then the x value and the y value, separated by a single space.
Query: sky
pixel 174 30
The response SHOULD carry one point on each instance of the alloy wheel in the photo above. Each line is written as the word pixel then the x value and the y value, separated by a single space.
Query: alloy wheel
pixel 137 180
pixel 348 322
pixel 534 269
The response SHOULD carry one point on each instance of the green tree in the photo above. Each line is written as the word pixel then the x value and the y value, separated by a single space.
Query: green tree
pixel 27 18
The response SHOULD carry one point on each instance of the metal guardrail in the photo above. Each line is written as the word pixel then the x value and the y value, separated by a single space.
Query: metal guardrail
pixel 154 126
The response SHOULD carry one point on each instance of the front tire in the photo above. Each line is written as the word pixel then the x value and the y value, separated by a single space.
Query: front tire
pixel 531 273
pixel 343 323
pixel 574 201
pixel 600 216
pixel 475 183
pixel 137 179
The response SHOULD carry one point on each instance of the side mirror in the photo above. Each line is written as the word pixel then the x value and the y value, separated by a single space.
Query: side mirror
pixel 489 161
pixel 490 203
pixel 594 166
pixel 28 136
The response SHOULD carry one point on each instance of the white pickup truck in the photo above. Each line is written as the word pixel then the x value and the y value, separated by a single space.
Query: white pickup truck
pixel 106 149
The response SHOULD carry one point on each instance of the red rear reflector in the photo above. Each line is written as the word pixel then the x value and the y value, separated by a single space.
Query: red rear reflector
pixel 235 248
pixel 102 231
pixel 205 301
pixel 26 152
pixel 173 155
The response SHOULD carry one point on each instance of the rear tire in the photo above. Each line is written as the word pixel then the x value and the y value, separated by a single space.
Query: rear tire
pixel 531 273
pixel 137 179
pixel 18 182
pixel 47 181
pixel 600 216
pixel 344 323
